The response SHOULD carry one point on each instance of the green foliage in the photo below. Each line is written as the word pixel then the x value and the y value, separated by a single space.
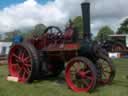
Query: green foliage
pixel 10 35
pixel 39 29
pixel 78 24
pixel 26 35
pixel 0 36
pixel 103 33
pixel 123 29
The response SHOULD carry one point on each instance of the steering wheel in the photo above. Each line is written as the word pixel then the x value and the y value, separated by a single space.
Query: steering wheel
pixel 53 33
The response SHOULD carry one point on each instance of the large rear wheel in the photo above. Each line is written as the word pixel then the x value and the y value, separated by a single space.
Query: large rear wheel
pixel 80 74
pixel 23 62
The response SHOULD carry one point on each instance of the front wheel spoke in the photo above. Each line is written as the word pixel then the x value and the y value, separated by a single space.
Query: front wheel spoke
pixel 105 66
pixel 107 71
pixel 74 81
pixel 89 78
pixel 104 75
pixel 85 82
pixel 78 67
pixel 77 83
pixel 88 71
pixel 81 84
pixel 73 72
pixel 73 77
pixel 101 66
pixel 74 67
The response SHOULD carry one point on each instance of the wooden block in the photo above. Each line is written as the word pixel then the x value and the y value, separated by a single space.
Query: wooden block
pixel 11 78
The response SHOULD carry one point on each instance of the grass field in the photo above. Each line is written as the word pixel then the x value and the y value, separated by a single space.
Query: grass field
pixel 57 86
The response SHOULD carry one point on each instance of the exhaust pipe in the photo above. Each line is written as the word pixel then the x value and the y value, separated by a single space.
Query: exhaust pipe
pixel 86 20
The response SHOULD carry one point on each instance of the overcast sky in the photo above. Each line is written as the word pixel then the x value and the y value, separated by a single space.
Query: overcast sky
pixel 17 14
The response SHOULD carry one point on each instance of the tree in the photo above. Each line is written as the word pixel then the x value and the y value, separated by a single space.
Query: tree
pixel 10 35
pixel 26 35
pixel 123 29
pixel 103 33
pixel 0 36
pixel 39 29
pixel 78 24
pixel 35 31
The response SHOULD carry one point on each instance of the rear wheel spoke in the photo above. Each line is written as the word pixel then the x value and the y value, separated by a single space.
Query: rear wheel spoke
pixel 15 56
pixel 26 59
pixel 20 53
pixel 15 65
pixel 28 65
pixel 23 76
pixel 25 70
pixel 19 71
pixel 23 54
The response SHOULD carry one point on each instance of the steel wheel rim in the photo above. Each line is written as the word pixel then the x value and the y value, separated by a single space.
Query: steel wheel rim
pixel 20 64
pixel 106 71
pixel 89 76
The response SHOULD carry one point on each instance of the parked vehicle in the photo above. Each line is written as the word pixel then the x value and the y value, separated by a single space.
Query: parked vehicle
pixel 85 62
pixel 117 43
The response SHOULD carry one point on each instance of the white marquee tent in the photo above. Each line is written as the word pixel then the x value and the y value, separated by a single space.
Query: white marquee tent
pixel 4 47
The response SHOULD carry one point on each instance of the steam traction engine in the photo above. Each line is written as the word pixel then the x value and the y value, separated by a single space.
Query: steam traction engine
pixel 86 63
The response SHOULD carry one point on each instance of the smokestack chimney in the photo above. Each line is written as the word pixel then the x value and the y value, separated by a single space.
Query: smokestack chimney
pixel 86 20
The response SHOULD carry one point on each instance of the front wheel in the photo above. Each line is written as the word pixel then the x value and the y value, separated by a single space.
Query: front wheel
pixel 106 70
pixel 80 74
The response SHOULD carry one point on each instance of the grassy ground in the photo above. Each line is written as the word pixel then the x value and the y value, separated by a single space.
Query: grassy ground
pixel 57 87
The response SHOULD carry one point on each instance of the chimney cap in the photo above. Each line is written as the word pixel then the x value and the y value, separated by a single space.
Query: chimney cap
pixel 87 1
